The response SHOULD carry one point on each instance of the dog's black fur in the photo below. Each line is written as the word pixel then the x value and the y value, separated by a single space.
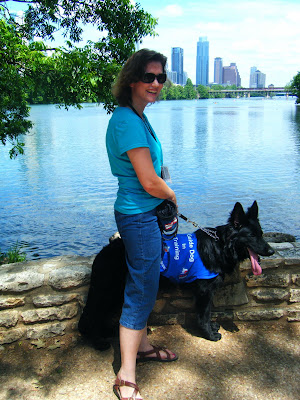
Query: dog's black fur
pixel 105 297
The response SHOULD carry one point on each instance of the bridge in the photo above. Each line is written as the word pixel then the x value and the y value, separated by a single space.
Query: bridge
pixel 246 92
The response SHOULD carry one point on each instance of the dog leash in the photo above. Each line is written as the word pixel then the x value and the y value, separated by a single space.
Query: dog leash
pixel 208 231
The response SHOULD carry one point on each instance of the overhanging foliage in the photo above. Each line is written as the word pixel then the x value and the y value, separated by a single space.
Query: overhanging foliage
pixel 31 72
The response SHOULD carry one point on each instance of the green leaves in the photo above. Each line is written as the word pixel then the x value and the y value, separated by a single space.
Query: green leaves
pixel 13 105
pixel 295 87
pixel 178 92
pixel 30 73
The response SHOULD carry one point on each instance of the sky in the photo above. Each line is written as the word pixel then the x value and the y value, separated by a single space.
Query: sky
pixel 265 34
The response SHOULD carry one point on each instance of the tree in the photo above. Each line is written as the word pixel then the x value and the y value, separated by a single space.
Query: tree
pixel 70 74
pixel 217 95
pixel 189 90
pixel 203 92
pixel 13 105
pixel 295 87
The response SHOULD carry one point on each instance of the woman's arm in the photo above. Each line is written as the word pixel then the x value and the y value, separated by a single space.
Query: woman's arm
pixel 141 161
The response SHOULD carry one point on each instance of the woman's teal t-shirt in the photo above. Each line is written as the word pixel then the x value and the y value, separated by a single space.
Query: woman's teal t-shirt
pixel 127 131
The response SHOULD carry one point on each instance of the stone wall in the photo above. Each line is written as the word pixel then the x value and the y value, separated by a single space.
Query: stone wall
pixel 43 299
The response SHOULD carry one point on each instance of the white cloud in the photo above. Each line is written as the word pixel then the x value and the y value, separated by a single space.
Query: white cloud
pixel 248 33
pixel 172 10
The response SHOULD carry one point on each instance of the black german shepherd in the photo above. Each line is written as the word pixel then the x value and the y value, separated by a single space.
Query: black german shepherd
pixel 240 238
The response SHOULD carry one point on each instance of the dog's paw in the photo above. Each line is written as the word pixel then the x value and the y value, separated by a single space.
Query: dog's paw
pixel 209 334
pixel 215 326
pixel 215 336
pixel 100 344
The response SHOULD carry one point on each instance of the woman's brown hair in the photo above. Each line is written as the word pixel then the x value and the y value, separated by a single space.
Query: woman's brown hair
pixel 133 71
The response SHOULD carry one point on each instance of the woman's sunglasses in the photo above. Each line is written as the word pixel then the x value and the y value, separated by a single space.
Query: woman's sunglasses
pixel 149 78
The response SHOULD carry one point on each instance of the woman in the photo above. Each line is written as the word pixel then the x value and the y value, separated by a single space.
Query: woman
pixel 135 158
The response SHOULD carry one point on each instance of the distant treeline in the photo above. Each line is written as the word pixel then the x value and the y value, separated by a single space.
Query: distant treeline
pixel 170 91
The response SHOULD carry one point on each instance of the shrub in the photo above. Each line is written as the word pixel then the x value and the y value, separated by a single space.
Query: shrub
pixel 13 255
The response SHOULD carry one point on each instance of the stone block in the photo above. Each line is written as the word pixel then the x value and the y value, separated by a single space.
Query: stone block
pixel 235 277
pixel 167 319
pixel 66 311
pixel 159 305
pixel 231 295
pixel 270 294
pixel 11 335
pixel 44 331
pixel 296 279
pixel 282 246
pixel 70 277
pixel 11 302
pixel 293 315
pixel 268 279
pixel 9 319
pixel 265 263
pixel 259 315
pixel 61 261
pixel 227 315
pixel 183 304
pixel 53 300
pixel 20 282
pixel 295 296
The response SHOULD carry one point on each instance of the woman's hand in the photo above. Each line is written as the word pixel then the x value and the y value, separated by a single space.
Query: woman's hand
pixel 173 198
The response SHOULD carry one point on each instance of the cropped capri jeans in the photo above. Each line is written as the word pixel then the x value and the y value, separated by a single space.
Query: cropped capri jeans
pixel 143 244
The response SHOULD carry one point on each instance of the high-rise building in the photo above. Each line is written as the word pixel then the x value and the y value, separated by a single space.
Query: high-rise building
pixel 218 70
pixel 231 75
pixel 257 79
pixel 185 78
pixel 202 61
pixel 172 75
pixel 177 63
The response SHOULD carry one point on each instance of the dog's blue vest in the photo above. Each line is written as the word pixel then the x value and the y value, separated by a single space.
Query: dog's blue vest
pixel 181 262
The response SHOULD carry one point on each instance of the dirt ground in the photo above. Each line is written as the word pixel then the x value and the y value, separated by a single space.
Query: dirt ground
pixel 254 361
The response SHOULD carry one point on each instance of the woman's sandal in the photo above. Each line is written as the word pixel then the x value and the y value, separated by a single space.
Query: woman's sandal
pixel 143 355
pixel 117 392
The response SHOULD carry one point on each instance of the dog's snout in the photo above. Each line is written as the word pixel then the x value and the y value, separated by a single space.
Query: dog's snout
pixel 270 251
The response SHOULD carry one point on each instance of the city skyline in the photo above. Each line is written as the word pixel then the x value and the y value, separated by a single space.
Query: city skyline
pixel 265 34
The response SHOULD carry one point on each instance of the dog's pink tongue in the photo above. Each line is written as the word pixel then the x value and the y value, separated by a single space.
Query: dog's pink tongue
pixel 256 268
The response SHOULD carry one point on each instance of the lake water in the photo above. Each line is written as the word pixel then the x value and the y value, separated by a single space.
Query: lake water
pixel 58 198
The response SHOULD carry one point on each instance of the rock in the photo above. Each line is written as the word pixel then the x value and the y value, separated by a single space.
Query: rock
pixel 277 237
pixel 45 331
pixel 295 296
pixel 11 302
pixel 53 300
pixel 66 311
pixel 11 335
pixel 258 315
pixel 70 277
pixel 231 295
pixel 268 279
pixel 20 282
pixel 270 294
pixel 9 319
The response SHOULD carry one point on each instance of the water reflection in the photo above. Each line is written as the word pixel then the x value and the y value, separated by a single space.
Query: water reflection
pixel 58 198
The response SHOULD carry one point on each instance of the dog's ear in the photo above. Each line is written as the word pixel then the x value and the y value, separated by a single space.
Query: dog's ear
pixel 253 211
pixel 237 216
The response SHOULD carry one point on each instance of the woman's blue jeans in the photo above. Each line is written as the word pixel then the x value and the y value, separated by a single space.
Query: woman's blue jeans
pixel 142 239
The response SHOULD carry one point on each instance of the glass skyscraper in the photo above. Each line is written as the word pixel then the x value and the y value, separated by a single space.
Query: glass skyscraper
pixel 257 78
pixel 218 71
pixel 202 61
pixel 177 64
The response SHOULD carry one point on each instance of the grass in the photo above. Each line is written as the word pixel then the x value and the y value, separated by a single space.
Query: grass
pixel 13 255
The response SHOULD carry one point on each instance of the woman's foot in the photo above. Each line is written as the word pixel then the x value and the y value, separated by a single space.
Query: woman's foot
pixel 156 354
pixel 125 390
